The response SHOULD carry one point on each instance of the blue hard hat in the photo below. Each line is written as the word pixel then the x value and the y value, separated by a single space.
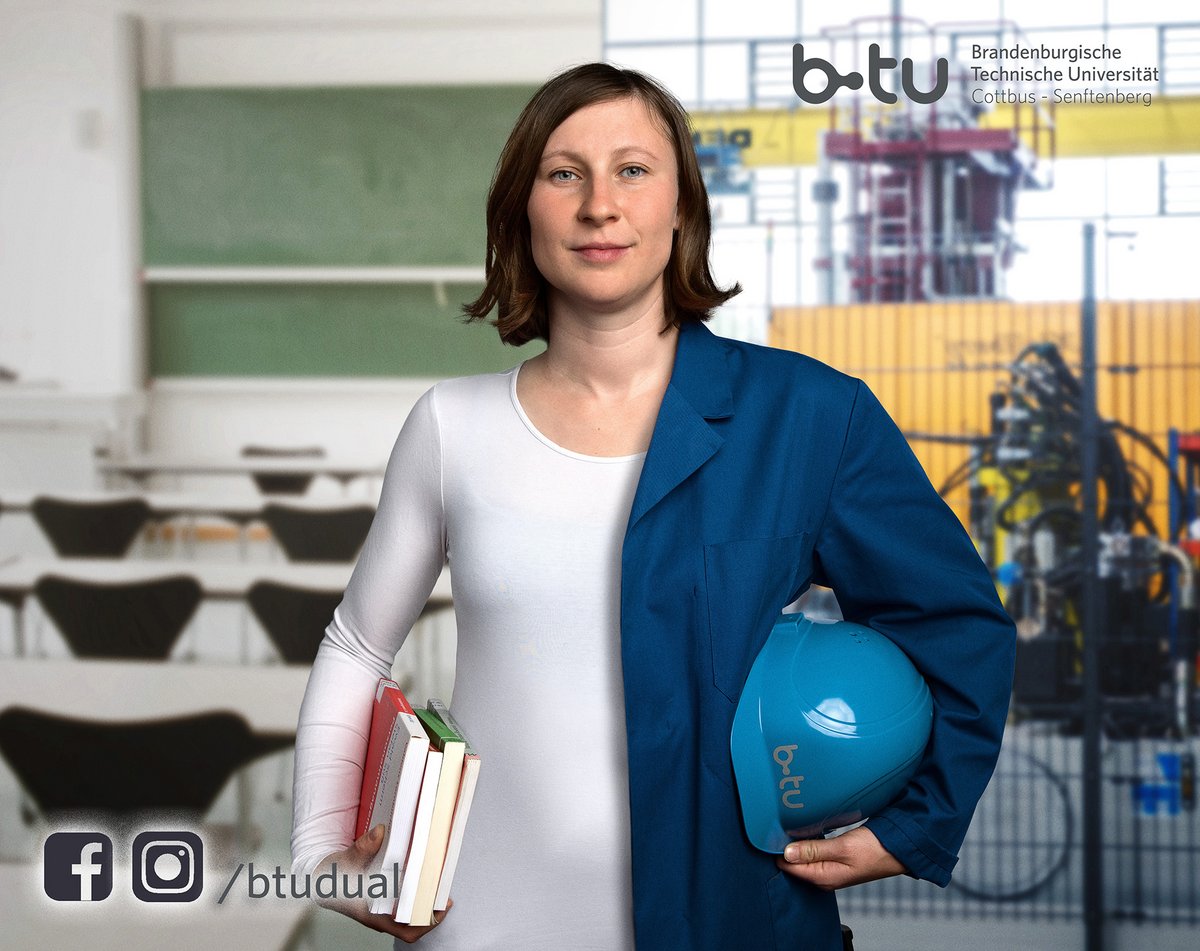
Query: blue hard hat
pixel 831 725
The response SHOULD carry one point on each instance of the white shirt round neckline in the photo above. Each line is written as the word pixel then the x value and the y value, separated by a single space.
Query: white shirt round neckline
pixel 551 444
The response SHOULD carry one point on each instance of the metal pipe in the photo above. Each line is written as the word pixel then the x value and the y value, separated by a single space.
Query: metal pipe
pixel 824 194
pixel 1187 594
pixel 1092 619
pixel 1181 667
pixel 897 29
pixel 928 291
pixel 949 243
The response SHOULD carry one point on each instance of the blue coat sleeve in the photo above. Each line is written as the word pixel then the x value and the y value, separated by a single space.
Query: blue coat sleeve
pixel 900 562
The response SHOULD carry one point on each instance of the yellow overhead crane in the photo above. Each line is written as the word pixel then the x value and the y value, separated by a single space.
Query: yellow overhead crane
pixel 1170 125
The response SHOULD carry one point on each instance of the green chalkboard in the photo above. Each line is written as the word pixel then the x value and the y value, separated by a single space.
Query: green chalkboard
pixel 378 176
pixel 320 330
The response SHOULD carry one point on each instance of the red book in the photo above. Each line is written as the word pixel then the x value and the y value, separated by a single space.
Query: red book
pixel 390 703
pixel 397 747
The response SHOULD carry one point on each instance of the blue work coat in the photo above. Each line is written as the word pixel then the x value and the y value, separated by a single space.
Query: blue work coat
pixel 769 471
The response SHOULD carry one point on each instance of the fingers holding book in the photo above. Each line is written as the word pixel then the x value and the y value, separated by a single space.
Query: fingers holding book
pixel 350 868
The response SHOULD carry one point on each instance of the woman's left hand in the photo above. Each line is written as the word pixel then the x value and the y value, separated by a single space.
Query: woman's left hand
pixel 848 859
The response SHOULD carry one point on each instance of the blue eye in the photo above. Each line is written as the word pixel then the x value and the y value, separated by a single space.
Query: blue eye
pixel 558 175
pixel 633 171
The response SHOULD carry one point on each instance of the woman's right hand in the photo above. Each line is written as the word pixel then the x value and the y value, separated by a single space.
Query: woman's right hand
pixel 355 861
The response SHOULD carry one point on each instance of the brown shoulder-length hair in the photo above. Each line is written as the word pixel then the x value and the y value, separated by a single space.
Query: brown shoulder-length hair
pixel 515 287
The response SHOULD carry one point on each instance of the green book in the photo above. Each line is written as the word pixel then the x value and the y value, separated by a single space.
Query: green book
pixel 439 709
pixel 439 733
pixel 448 780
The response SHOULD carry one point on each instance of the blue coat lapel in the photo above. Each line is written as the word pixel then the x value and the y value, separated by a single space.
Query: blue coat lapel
pixel 683 440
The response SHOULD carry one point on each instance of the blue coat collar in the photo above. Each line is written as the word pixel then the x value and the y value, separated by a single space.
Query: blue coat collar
pixel 683 440
pixel 701 374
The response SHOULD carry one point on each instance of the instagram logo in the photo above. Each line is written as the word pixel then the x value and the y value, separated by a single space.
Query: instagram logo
pixel 168 866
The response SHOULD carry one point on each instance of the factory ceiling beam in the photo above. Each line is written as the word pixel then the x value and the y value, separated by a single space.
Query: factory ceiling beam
pixel 1169 126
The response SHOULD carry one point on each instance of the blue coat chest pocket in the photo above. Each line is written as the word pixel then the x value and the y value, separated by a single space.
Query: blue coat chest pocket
pixel 748 582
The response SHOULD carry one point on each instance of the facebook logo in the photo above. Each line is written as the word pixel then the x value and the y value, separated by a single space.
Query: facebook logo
pixel 78 866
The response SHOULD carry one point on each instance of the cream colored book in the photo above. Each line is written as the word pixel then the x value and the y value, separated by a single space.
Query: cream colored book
pixel 420 838
pixel 462 808
pixel 453 749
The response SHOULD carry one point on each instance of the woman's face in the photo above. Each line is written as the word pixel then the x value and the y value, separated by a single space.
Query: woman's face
pixel 603 209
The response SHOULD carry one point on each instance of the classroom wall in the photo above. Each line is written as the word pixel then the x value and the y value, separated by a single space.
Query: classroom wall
pixel 65 291
pixel 69 295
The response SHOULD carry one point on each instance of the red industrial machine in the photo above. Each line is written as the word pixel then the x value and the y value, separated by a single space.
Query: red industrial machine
pixel 932 186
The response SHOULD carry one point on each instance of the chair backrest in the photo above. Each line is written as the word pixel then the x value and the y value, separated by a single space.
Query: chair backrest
pixel 139 619
pixel 100 528
pixel 178 764
pixel 282 483
pixel 310 534
pixel 13 597
pixel 294 618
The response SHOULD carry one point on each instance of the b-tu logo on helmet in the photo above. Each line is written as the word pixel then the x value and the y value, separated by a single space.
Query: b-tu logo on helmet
pixel 876 66
pixel 783 756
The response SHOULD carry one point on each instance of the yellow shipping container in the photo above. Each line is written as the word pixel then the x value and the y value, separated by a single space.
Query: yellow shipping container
pixel 934 364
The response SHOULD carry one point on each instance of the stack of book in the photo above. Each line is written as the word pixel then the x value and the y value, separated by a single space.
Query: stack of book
pixel 418 780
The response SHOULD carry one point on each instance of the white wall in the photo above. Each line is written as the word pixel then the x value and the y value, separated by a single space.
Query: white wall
pixel 65 288
pixel 69 242
pixel 325 42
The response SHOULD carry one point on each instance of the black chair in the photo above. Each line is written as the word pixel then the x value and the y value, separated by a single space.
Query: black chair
pixel 178 764
pixel 310 534
pixel 102 528
pixel 282 483
pixel 14 598
pixel 141 619
pixel 294 618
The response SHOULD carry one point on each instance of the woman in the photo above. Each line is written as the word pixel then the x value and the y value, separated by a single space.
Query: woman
pixel 624 517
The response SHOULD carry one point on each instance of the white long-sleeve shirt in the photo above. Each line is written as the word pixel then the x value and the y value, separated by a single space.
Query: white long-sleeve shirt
pixel 533 534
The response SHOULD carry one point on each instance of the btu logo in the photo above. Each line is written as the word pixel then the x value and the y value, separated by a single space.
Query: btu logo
pixel 876 65
pixel 783 756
